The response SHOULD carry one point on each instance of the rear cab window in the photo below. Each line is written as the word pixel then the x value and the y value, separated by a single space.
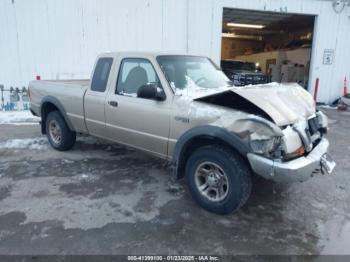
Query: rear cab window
pixel 101 74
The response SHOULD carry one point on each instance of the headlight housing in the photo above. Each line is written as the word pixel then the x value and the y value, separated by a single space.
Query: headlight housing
pixel 262 136
pixel 266 146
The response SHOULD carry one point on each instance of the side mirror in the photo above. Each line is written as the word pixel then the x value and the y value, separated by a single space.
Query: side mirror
pixel 151 91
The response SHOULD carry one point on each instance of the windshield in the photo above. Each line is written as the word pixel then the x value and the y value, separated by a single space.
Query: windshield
pixel 190 71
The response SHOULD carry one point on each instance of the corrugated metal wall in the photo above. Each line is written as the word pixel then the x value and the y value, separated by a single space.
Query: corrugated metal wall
pixel 60 38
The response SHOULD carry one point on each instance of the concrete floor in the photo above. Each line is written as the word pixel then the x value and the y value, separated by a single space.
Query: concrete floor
pixel 103 199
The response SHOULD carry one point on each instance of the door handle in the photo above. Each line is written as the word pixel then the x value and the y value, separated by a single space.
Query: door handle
pixel 113 103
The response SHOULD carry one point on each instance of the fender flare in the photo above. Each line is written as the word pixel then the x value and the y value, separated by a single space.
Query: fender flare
pixel 211 132
pixel 59 106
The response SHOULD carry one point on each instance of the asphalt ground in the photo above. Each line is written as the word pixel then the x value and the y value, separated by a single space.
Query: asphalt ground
pixel 102 198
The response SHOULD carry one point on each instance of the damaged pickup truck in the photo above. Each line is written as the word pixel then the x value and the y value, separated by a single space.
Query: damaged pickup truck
pixel 184 109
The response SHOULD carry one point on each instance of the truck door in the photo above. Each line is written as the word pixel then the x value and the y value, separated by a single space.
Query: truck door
pixel 138 122
pixel 95 96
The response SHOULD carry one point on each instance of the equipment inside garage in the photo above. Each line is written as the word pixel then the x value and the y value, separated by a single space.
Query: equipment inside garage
pixel 260 47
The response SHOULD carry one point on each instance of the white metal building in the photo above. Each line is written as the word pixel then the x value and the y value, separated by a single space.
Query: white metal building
pixel 59 39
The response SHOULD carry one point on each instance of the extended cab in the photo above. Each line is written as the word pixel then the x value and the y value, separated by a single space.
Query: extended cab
pixel 183 108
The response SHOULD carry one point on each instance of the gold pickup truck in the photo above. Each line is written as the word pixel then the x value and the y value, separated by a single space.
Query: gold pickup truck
pixel 184 109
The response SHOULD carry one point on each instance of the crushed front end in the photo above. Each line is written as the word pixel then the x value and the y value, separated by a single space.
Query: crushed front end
pixel 302 151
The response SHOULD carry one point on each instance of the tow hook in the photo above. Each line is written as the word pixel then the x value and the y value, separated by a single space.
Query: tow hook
pixel 327 164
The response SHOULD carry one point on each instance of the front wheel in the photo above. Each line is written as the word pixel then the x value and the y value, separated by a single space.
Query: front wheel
pixel 219 179
pixel 60 136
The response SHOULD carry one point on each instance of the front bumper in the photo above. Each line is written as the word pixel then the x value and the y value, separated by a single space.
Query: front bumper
pixel 297 170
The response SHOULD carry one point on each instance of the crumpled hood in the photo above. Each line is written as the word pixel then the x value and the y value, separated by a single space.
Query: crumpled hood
pixel 284 103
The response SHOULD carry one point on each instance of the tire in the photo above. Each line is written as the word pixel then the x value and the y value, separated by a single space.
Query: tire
pixel 60 136
pixel 216 163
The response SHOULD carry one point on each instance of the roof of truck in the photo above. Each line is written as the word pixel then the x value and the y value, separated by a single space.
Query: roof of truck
pixel 133 53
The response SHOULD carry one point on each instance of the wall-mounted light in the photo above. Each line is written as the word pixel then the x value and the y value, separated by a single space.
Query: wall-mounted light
pixel 248 37
pixel 246 25
pixel 228 35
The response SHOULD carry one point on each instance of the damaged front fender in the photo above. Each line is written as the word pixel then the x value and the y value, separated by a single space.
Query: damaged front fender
pixel 259 127
pixel 194 135
pixel 262 136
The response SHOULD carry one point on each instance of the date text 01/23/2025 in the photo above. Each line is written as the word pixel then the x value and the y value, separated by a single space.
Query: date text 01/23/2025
pixel 173 258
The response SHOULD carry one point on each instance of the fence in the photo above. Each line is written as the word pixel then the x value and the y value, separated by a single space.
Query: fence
pixel 14 99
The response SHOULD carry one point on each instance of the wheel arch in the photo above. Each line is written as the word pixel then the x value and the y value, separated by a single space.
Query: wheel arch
pixel 204 135
pixel 49 104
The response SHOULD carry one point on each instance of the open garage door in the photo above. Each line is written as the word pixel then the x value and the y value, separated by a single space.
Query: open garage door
pixel 260 47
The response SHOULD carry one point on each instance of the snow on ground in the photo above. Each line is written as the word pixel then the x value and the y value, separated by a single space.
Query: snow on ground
pixel 18 118
pixel 328 107
pixel 39 143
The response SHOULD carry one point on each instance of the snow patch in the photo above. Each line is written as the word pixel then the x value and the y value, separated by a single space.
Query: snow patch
pixel 41 143
pixel 328 107
pixel 18 118
pixel 87 178
pixel 27 143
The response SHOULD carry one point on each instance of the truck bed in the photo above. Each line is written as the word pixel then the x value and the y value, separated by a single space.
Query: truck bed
pixel 81 82
pixel 70 94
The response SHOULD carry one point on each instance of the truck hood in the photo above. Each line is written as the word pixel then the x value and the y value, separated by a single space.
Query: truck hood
pixel 285 104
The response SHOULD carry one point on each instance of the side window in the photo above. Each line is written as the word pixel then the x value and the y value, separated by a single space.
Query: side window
pixel 101 74
pixel 134 73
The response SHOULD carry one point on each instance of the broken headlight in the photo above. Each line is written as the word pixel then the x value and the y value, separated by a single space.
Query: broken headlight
pixel 266 146
pixel 263 136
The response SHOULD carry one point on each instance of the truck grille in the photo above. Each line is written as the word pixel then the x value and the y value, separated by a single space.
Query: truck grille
pixel 303 130
pixel 309 132
pixel 314 125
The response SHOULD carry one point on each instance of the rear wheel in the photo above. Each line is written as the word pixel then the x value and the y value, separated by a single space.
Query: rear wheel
pixel 219 179
pixel 60 136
